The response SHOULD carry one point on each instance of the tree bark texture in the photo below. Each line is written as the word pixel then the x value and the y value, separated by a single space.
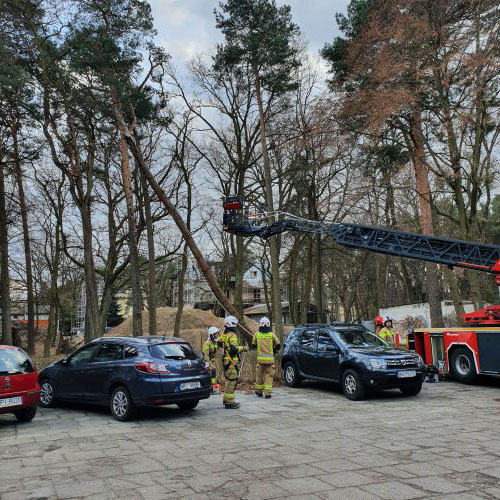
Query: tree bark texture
pixel 4 264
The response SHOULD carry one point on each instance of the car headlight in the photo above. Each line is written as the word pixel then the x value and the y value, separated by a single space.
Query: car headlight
pixel 419 361
pixel 376 364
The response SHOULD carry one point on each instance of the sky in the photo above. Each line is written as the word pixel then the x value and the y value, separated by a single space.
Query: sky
pixel 186 28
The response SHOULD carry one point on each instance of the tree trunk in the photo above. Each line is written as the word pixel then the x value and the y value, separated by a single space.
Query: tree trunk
pixel 451 279
pixel 180 294
pixel 426 225
pixel 26 241
pixel 135 280
pixel 151 257
pixel 4 264
pixel 306 290
pixel 319 279
pixel 273 241
pixel 188 238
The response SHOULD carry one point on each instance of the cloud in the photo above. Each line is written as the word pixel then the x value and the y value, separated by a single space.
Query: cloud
pixel 187 27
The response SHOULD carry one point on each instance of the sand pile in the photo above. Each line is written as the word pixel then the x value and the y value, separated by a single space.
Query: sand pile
pixel 194 324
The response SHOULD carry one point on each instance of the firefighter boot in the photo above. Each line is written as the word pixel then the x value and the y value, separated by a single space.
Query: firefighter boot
pixel 232 406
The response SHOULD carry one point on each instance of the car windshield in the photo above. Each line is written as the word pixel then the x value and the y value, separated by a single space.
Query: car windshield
pixel 361 338
pixel 173 351
pixel 14 362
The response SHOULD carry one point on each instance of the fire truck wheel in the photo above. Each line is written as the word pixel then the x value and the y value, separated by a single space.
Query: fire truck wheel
pixel 352 386
pixel 462 365
pixel 411 390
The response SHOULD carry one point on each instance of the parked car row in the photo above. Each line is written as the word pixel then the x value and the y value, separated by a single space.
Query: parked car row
pixel 122 372
pixel 126 373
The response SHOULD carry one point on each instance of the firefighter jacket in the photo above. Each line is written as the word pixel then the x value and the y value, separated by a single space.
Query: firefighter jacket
pixel 267 345
pixel 232 350
pixel 388 335
pixel 210 349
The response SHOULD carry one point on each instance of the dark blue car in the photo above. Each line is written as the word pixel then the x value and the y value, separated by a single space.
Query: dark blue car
pixel 349 354
pixel 128 372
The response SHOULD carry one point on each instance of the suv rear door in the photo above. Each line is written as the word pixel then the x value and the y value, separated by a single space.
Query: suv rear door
pixel 306 351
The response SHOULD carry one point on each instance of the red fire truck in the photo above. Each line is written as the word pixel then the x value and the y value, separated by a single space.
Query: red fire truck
pixel 463 352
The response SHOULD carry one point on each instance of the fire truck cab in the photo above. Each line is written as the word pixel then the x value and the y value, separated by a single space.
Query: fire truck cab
pixel 462 352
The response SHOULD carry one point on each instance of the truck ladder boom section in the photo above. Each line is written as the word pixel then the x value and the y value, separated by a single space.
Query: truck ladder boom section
pixel 446 251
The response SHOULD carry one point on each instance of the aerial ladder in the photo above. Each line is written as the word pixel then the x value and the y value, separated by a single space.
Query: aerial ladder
pixel 464 351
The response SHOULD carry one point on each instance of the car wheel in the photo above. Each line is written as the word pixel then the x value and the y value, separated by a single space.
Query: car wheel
pixel 291 375
pixel 47 394
pixel 188 405
pixel 411 390
pixel 26 414
pixel 462 365
pixel 352 386
pixel 122 407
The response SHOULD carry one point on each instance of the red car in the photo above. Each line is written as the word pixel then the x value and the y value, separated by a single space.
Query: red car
pixel 19 389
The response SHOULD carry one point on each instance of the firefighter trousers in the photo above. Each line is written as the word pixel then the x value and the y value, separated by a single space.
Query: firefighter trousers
pixel 264 379
pixel 230 383
pixel 212 364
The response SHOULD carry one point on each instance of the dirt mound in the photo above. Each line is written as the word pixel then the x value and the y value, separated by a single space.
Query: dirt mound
pixel 194 324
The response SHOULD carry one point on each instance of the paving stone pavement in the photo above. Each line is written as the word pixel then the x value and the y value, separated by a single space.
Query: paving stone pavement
pixel 309 442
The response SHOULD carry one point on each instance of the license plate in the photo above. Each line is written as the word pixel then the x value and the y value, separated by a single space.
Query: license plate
pixel 407 374
pixel 190 385
pixel 18 400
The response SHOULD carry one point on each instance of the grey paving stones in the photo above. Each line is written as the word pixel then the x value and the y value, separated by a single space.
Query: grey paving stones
pixel 305 443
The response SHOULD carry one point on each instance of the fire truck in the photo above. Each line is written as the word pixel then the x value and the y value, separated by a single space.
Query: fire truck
pixel 463 352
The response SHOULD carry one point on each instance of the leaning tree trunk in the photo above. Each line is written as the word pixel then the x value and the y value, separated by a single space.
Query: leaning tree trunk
pixel 135 283
pixel 4 264
pixel 426 224
pixel 26 242
pixel 151 257
pixel 273 241
pixel 188 237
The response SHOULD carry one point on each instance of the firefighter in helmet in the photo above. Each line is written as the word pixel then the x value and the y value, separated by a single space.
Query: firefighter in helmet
pixel 267 346
pixel 230 361
pixel 210 349
pixel 387 333
pixel 379 324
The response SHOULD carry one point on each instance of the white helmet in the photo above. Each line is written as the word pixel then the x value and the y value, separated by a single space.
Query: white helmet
pixel 213 330
pixel 231 321
pixel 265 321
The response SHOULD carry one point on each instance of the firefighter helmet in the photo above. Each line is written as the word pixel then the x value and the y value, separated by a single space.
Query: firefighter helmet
pixel 230 321
pixel 265 321
pixel 213 330
pixel 379 320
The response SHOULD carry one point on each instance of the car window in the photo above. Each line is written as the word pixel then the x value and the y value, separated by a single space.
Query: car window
pixel 307 339
pixel 360 338
pixel 173 351
pixel 83 355
pixel 14 361
pixel 130 351
pixel 324 339
pixel 108 352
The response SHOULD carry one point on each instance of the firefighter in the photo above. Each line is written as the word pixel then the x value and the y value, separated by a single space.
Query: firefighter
pixel 387 333
pixel 379 324
pixel 231 358
pixel 267 346
pixel 210 349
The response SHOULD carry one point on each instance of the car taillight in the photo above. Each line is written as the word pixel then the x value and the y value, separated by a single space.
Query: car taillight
pixel 152 368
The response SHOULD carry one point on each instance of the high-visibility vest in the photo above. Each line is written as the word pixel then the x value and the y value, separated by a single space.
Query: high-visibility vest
pixel 210 349
pixel 387 335
pixel 228 341
pixel 265 347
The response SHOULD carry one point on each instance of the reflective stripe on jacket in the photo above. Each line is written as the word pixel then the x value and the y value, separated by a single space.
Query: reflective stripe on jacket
pixel 265 342
pixel 231 348
pixel 210 349
pixel 387 335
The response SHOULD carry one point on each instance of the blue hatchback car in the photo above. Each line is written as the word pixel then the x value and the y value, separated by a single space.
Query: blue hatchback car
pixel 128 372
